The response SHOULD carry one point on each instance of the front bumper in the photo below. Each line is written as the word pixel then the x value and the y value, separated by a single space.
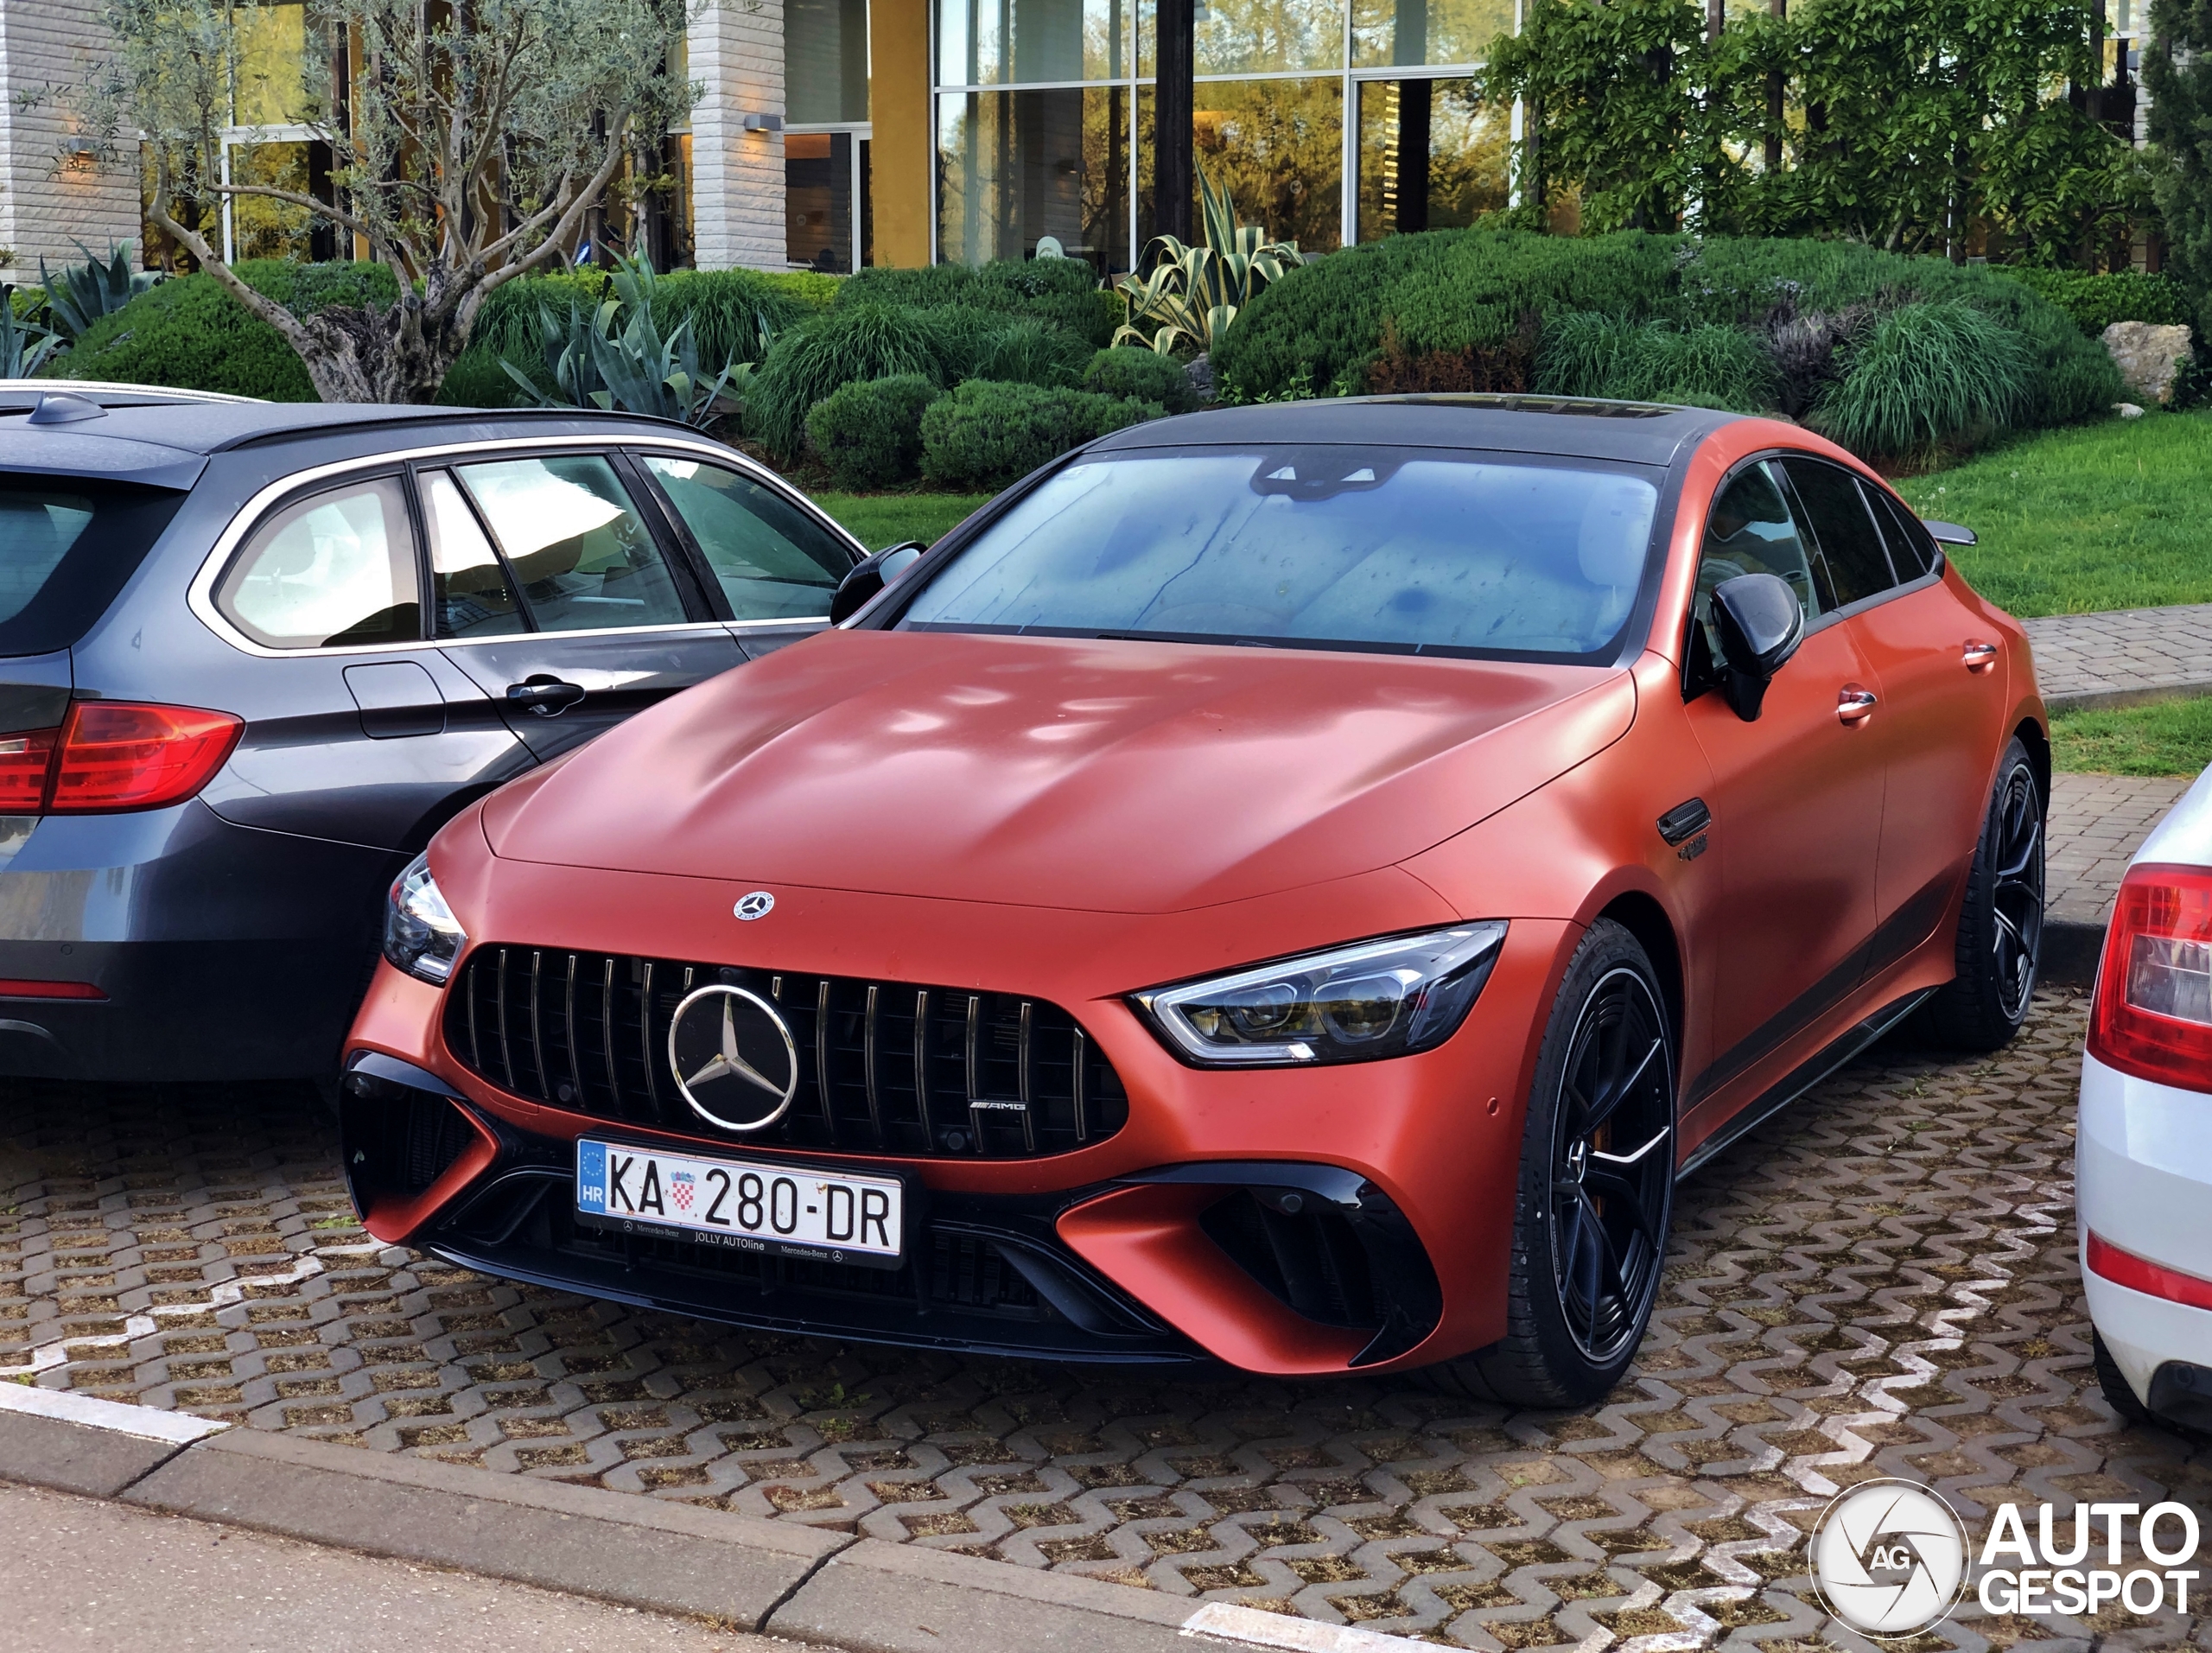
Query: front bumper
pixel 1171 1239
pixel 2143 1154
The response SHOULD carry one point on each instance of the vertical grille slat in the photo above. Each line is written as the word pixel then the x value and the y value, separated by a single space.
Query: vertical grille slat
pixel 990 1074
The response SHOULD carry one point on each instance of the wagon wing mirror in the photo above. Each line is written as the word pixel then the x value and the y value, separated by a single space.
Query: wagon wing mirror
pixel 871 575
pixel 1761 623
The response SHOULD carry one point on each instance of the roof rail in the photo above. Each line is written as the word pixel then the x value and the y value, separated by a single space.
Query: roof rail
pixel 153 392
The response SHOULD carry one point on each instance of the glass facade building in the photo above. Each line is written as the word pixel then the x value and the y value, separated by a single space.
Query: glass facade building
pixel 1329 121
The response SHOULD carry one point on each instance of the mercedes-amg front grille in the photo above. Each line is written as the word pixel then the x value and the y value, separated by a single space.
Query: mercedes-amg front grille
pixel 886 1067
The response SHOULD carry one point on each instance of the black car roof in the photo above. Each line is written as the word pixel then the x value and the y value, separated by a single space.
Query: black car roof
pixel 1639 432
pixel 165 444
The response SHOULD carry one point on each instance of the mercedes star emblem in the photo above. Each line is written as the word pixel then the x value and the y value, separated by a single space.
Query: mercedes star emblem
pixel 733 1057
pixel 755 906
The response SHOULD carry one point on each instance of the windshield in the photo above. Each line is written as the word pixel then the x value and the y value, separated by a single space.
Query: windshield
pixel 1398 549
pixel 66 546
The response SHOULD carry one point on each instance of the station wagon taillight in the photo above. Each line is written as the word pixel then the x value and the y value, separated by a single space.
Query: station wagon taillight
pixel 114 755
pixel 2153 1012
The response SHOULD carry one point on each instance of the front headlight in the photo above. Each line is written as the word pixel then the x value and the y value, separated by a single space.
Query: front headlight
pixel 421 935
pixel 1359 1003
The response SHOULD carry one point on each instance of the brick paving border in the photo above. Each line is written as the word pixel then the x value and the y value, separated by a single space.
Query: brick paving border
pixel 1882 1281
pixel 2123 657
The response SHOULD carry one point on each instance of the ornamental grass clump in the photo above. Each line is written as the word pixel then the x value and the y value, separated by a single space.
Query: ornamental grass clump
pixel 1927 376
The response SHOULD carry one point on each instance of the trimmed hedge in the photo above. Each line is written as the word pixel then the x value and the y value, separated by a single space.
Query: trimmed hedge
pixel 1131 372
pixel 1743 323
pixel 1062 292
pixel 2096 302
pixel 870 431
pixel 988 433
pixel 191 334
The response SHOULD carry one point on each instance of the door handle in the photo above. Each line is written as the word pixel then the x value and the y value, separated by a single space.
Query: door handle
pixel 1978 656
pixel 1855 704
pixel 544 695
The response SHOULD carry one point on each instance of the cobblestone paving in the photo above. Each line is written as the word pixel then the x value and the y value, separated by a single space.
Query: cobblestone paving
pixel 1881 1282
pixel 2122 655
pixel 2097 823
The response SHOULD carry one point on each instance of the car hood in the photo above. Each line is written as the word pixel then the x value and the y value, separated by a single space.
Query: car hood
pixel 1107 775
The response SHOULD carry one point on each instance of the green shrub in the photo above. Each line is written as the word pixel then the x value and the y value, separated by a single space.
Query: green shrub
pixel 190 335
pixel 1927 375
pixel 1132 373
pixel 870 431
pixel 1062 292
pixel 988 433
pixel 1706 365
pixel 852 342
pixel 2096 302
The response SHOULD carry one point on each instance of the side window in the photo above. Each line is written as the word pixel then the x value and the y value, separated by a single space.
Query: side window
pixel 1849 551
pixel 771 561
pixel 578 548
pixel 1751 531
pixel 1910 549
pixel 470 594
pixel 328 571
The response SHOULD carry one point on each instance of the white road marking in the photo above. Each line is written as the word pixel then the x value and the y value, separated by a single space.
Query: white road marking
pixel 1230 1623
pixel 147 1422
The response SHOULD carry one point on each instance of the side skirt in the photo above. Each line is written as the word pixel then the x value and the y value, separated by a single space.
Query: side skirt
pixel 1804 1078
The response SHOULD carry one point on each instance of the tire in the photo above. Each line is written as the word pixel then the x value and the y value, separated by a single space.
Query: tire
pixel 2000 927
pixel 1589 1245
pixel 2110 1379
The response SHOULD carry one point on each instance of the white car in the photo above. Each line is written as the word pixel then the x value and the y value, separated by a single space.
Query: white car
pixel 2143 1152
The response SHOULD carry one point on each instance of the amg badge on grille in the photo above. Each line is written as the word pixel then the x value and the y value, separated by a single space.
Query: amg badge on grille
pixel 733 1057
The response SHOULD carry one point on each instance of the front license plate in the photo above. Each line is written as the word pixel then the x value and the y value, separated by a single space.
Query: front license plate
pixel 746 1204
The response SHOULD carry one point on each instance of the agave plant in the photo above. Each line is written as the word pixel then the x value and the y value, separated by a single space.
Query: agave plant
pixel 88 291
pixel 618 358
pixel 1195 292
pixel 25 344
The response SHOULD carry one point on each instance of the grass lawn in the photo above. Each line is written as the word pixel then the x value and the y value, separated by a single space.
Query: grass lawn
pixel 880 519
pixel 2109 515
pixel 2172 737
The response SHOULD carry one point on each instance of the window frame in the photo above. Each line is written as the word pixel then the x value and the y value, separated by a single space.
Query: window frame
pixel 248 517
pixel 702 568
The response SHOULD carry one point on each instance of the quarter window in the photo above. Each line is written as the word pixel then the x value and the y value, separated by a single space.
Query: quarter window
pixel 1850 559
pixel 579 549
pixel 1910 549
pixel 471 594
pixel 330 571
pixel 771 560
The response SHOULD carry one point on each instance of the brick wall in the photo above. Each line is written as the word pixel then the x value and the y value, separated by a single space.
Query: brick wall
pixel 44 212
pixel 737 50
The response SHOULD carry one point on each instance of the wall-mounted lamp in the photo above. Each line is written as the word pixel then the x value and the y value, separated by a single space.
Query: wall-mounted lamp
pixel 763 122
pixel 81 155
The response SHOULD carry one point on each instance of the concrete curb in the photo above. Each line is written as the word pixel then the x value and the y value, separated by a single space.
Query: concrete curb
pixel 2113 700
pixel 2070 949
pixel 757 1575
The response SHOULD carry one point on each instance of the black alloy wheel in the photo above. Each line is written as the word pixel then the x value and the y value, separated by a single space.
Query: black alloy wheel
pixel 1596 1189
pixel 1612 1167
pixel 1999 943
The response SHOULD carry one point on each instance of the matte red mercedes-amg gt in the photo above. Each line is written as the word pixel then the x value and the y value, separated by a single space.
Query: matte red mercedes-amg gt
pixel 1296 884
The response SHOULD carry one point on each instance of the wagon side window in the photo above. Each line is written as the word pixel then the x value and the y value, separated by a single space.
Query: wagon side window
pixel 1750 531
pixel 333 570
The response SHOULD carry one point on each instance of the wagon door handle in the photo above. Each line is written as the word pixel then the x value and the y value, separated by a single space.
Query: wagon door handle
pixel 544 695
pixel 1855 705
pixel 1978 656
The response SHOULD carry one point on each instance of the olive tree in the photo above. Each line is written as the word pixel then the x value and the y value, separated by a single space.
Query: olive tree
pixel 469 139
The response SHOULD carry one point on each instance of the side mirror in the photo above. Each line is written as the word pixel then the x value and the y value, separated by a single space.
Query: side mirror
pixel 1947 533
pixel 1761 623
pixel 870 576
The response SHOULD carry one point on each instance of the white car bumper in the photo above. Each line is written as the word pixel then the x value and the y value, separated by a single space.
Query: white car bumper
pixel 2142 1165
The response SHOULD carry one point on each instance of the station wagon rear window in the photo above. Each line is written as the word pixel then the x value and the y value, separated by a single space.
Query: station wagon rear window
pixel 1401 550
pixel 66 546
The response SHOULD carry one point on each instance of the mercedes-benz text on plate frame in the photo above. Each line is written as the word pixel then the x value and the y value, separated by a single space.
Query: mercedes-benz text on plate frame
pixel 732 1057
pixel 750 1206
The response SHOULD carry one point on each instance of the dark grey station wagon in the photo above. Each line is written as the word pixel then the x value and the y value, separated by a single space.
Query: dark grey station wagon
pixel 252 656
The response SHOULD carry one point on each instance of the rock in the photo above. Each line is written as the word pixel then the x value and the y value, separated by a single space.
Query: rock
pixel 2127 409
pixel 1201 376
pixel 2149 357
